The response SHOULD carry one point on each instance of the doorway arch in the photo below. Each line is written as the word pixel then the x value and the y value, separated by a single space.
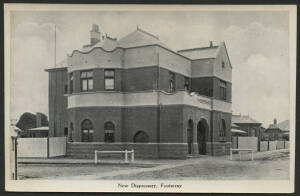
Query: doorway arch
pixel 141 137
pixel 202 129
pixel 87 131
pixel 190 133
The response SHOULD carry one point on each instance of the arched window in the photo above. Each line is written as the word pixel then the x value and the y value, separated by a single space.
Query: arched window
pixel 109 129
pixel 222 131
pixel 141 137
pixel 87 131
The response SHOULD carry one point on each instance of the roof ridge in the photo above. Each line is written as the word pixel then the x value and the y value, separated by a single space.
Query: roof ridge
pixel 201 48
pixel 143 31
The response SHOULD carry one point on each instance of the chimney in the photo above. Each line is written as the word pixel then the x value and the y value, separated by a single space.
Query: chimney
pixel 210 44
pixel 275 121
pixel 95 34
pixel 38 119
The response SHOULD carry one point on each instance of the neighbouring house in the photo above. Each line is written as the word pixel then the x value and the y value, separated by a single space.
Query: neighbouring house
pixel 38 132
pixel 246 123
pixel 236 130
pixel 137 93
pixel 278 131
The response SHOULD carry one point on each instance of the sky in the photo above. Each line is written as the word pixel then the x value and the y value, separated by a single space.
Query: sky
pixel 257 43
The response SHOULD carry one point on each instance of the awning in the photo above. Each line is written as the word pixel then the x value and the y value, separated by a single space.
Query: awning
pixel 237 131
pixel 39 129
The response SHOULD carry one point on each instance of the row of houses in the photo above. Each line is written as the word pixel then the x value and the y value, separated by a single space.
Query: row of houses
pixel 244 125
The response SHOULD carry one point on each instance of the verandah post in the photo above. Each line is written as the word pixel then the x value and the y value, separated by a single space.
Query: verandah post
pixel 126 159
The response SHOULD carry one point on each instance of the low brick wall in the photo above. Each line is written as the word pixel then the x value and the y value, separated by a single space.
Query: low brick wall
pixel 141 150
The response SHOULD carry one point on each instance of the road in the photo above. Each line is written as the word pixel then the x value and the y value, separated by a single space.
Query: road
pixel 272 165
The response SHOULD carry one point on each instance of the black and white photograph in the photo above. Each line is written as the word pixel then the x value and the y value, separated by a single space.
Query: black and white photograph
pixel 150 98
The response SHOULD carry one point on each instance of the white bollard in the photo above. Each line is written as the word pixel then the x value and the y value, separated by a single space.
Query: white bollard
pixel 126 159
pixel 95 157
pixel 132 156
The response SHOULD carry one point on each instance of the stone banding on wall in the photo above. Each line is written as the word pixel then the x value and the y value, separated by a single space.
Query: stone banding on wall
pixel 149 98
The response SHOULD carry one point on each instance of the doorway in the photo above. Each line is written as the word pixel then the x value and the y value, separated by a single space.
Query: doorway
pixel 87 131
pixel 201 136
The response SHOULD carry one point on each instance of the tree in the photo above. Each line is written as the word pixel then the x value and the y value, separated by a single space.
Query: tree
pixel 45 121
pixel 26 121
pixel 29 120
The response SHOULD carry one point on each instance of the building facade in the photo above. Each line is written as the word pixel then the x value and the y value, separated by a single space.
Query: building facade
pixel 137 93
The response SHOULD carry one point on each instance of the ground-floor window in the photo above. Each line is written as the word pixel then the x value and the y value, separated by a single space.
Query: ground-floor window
pixel 222 131
pixel 109 129
pixel 141 137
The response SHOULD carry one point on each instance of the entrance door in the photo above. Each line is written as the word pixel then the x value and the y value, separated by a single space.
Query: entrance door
pixel 190 136
pixel 201 136
pixel 87 131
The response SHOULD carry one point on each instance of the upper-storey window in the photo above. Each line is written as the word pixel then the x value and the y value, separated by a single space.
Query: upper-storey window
pixel 65 89
pixel 187 84
pixel 223 64
pixel 86 78
pixel 109 79
pixel 223 90
pixel 71 83
pixel 171 82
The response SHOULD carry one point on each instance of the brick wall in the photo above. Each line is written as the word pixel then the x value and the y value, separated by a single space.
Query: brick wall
pixel 98 116
pixel 142 150
pixel 57 102
pixel 219 148
pixel 139 79
pixel 215 124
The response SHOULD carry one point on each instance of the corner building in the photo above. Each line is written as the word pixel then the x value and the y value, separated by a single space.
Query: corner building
pixel 136 93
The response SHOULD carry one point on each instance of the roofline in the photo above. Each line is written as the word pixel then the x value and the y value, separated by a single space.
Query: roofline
pixel 55 68
pixel 118 47
pixel 227 54
pixel 258 123
pixel 202 48
pixel 209 58
pixel 143 31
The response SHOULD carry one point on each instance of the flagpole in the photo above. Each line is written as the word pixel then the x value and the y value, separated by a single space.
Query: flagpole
pixel 55 78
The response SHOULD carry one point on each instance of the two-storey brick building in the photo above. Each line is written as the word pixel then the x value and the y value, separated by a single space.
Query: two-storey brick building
pixel 137 93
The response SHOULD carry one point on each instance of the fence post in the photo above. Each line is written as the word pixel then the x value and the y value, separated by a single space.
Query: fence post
pixel 268 144
pixel 48 146
pixel 16 158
